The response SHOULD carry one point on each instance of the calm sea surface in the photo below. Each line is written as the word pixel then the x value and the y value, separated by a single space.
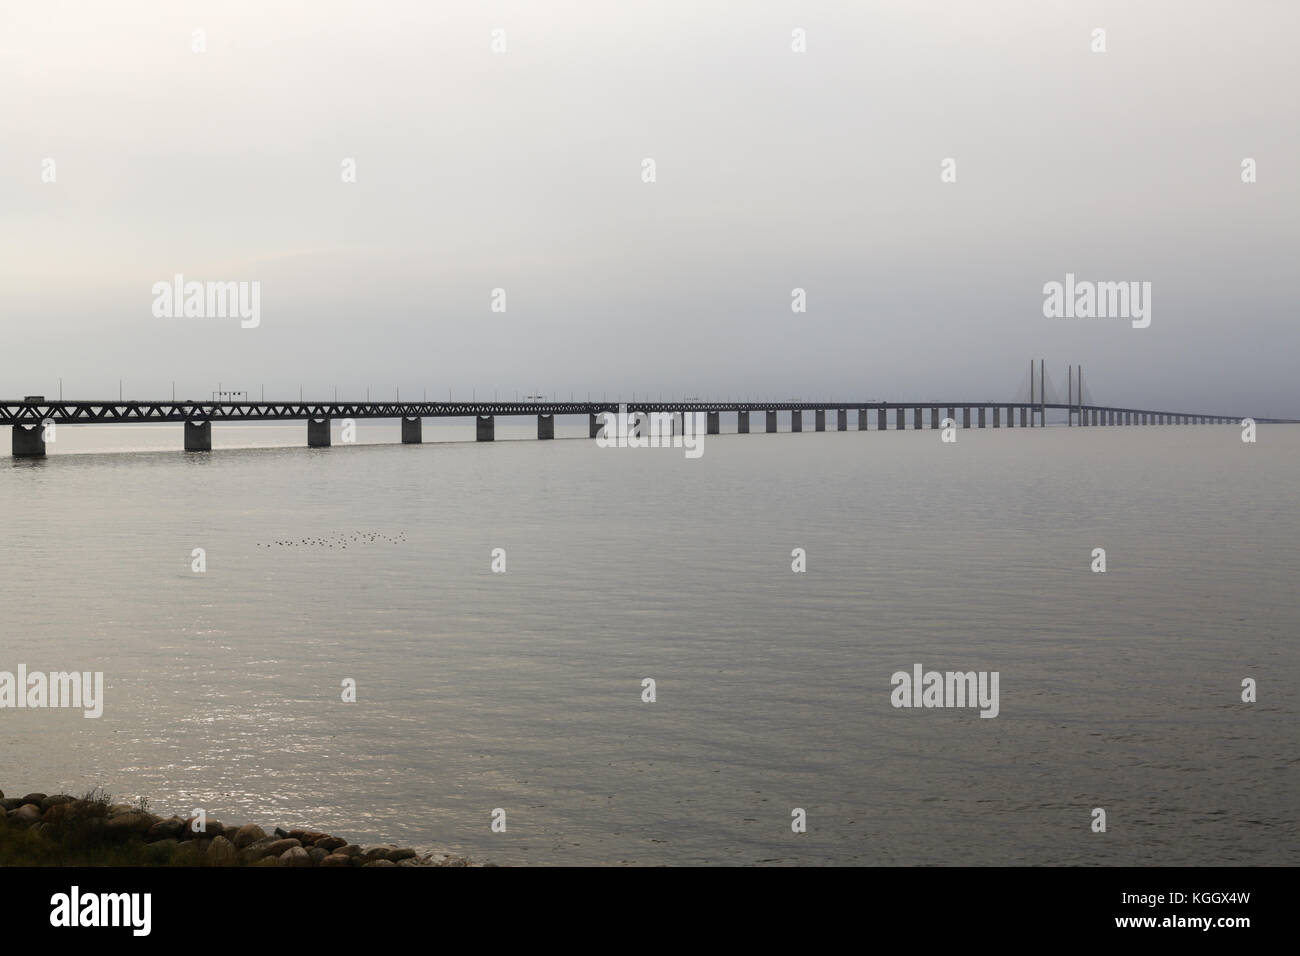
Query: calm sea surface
pixel 523 690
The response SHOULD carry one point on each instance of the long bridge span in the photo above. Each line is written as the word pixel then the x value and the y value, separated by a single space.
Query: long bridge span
pixel 29 417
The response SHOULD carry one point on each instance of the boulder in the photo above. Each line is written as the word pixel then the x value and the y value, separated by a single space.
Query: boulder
pixel 222 852
pixel 295 856
pixel 27 814
pixel 331 843
pixel 336 859
pixel 129 824
pixel 248 834
pixel 280 847
pixel 350 850
pixel 317 855
pixel 170 829
pixel 380 863
pixel 35 798
pixel 406 853
pixel 55 800
pixel 378 853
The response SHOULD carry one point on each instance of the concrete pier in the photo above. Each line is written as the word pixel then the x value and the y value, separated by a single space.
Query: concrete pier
pixel 485 427
pixel 965 418
pixel 982 410
pixel 711 423
pixel 842 420
pixel 198 436
pixel 796 421
pixel 742 423
pixel 882 419
pixel 916 417
pixel 900 420
pixel 318 433
pixel 593 426
pixel 412 431
pixel 952 413
pixel 771 423
pixel 545 426
pixel 29 441
pixel 934 417
pixel 997 417
pixel 820 420
pixel 862 419
pixel 1024 417
pixel 1011 417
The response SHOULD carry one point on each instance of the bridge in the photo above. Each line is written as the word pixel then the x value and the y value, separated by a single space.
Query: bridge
pixel 30 416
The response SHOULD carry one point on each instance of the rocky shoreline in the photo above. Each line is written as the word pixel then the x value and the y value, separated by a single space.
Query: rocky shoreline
pixel 92 824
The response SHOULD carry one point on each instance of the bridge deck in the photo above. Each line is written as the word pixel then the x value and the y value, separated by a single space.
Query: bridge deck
pixel 117 412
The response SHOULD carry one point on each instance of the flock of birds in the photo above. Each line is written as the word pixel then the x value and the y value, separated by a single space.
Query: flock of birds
pixel 339 541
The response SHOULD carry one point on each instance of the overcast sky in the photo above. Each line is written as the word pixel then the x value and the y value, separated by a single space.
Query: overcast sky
pixel 522 170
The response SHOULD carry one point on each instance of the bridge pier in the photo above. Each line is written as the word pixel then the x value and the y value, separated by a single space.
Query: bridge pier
pixel 198 436
pixel 997 417
pixel 862 419
pixel 952 413
pixel 412 431
pixel 771 423
pixel 820 420
pixel 1024 417
pixel 485 427
pixel 965 417
pixel 593 426
pixel 29 441
pixel 545 427
pixel 841 419
pixel 796 421
pixel 711 423
pixel 981 410
pixel 1011 417
pixel 882 419
pixel 318 433
pixel 934 416
pixel 900 419
pixel 742 423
